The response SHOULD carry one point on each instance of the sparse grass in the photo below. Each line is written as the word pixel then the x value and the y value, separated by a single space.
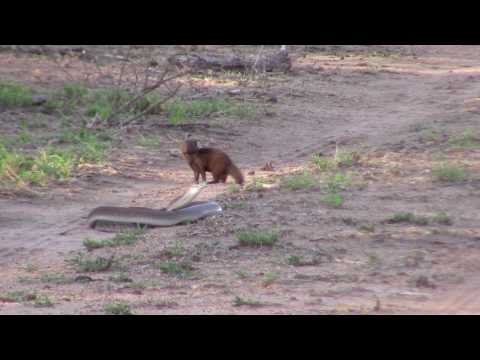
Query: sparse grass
pixel 180 111
pixel 129 237
pixel 269 278
pixel 83 263
pixel 30 267
pixel 442 218
pixel 234 188
pixel 180 269
pixel 256 184
pixel 367 228
pixel 148 141
pixel 43 301
pixel 38 170
pixel 338 181
pixel 120 278
pixel 87 145
pixel 17 296
pixel 447 172
pixel 54 278
pixel 238 301
pixel 343 159
pixel 374 259
pixel 299 181
pixel 235 205
pixel 407 217
pixel 15 94
pixel 467 140
pixel 117 308
pixel 414 259
pixel 257 238
pixel 333 199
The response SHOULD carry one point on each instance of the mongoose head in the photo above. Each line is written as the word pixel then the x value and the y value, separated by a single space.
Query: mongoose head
pixel 189 147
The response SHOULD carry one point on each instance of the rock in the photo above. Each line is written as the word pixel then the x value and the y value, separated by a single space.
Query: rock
pixel 39 99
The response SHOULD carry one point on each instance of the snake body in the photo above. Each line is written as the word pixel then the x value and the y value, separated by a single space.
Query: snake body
pixel 179 210
pixel 155 217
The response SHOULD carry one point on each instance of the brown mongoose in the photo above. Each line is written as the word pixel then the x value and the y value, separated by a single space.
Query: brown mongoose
pixel 203 160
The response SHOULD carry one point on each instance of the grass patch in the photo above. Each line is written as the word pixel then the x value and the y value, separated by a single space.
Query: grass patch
pixel 299 181
pixel 180 269
pixel 342 159
pixel 180 111
pixel 442 218
pixel 235 205
pixel 238 301
pixel 43 301
pixel 15 95
pixel 83 263
pixel 17 296
pixel 447 172
pixel 269 278
pixel 53 278
pixel 467 140
pixel 338 181
pixel 148 141
pixel 129 237
pixel 257 238
pixel 87 145
pixel 120 278
pixel 333 199
pixel 407 217
pixel 117 308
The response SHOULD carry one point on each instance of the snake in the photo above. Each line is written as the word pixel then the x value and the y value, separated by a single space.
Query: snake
pixel 180 210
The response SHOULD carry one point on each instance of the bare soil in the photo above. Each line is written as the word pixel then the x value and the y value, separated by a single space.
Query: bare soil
pixel 380 101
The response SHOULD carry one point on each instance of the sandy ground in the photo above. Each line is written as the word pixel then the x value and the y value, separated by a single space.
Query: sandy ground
pixel 382 106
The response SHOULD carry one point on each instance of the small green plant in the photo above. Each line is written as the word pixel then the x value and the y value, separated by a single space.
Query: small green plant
pixel 238 301
pixel 299 181
pixel 374 259
pixel 447 172
pixel 338 181
pixel 74 91
pixel 17 296
pixel 129 237
pixel 15 95
pixel 256 184
pixel 347 158
pixel 83 263
pixel 54 278
pixel 43 301
pixel 235 205
pixel 322 163
pixel 30 267
pixel 467 140
pixel 117 308
pixel 148 141
pixel 180 269
pixel 234 188
pixel 401 217
pixel 269 278
pixel 257 238
pixel 333 199
pixel 367 228
pixel 407 217
pixel 120 278
pixel 442 218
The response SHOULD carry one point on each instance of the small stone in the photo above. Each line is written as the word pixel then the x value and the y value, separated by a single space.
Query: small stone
pixel 39 99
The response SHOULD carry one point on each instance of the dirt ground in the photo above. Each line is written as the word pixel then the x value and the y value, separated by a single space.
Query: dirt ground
pixel 380 101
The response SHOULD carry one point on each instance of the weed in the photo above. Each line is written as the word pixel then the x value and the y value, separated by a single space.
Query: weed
pixel 333 199
pixel 129 237
pixel 269 278
pixel 82 263
pixel 175 268
pixel 238 301
pixel 442 218
pixel 120 278
pixel 257 238
pixel 467 140
pixel 43 301
pixel 148 141
pixel 15 95
pixel 299 181
pixel 53 278
pixel 447 172
pixel 117 308
pixel 17 296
